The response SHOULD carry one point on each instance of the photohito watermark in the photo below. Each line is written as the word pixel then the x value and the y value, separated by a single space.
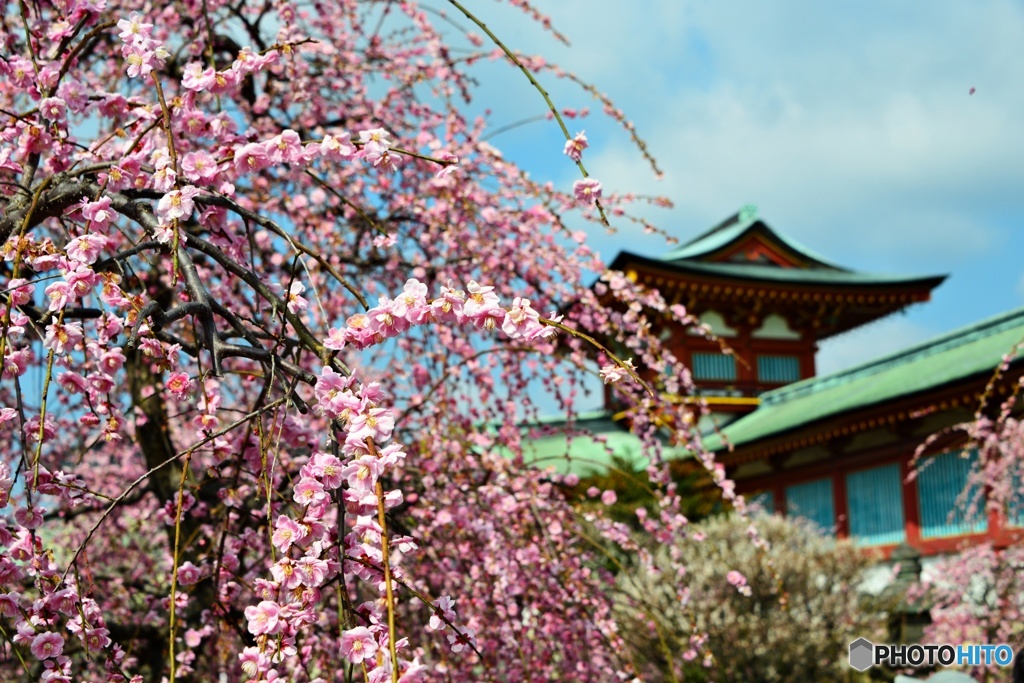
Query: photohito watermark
pixel 864 654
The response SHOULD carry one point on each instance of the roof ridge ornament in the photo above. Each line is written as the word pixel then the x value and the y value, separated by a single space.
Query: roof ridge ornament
pixel 748 213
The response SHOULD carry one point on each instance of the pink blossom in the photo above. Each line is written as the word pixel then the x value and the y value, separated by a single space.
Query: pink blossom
pixel 587 191
pixel 99 211
pixel 82 280
pixel 59 294
pixel 199 166
pixel 47 645
pixel 20 291
pixel 86 248
pixel 180 385
pixel 451 164
pixel 62 337
pixel 251 158
pixel 293 299
pixel 480 301
pixel 613 373
pixel 164 178
pixel 460 641
pixel 220 82
pixel 101 383
pixel 309 492
pixel 134 29
pixel 263 618
pixel 177 203
pixel 521 321
pixel 8 604
pixel 188 574
pixel 335 339
pixel 443 607
pixel 376 136
pixel 53 108
pixel 327 468
pixel 332 393
pixel 739 581
pixel 287 573
pixel 142 59
pixel 286 533
pixel 384 241
pixel 337 147
pixel 375 423
pixel 449 306
pixel 362 474
pixel 358 644
pixel 285 147
pixel 574 147
pixel 609 497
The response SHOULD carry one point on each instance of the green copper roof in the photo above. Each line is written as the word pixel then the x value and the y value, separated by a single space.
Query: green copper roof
pixel 586 455
pixel 732 229
pixel 961 354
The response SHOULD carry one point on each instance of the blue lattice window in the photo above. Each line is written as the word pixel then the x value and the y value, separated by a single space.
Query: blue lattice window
pixel 765 500
pixel 812 500
pixel 939 484
pixel 1015 504
pixel 714 366
pixel 875 499
pixel 778 369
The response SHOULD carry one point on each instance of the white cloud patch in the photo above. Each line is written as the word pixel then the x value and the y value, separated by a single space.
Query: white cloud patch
pixel 850 125
pixel 870 342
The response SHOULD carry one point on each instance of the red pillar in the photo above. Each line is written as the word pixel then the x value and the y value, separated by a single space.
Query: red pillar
pixel 911 509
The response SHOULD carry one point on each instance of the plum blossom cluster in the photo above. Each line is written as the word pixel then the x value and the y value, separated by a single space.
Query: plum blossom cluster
pixel 142 53
pixel 310 556
pixel 478 305
pixel 44 625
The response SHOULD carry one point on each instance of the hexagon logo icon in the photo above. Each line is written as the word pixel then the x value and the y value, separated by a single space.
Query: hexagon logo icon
pixel 861 654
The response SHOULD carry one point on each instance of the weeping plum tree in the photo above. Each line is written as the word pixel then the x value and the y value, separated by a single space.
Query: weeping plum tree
pixel 271 312
pixel 976 596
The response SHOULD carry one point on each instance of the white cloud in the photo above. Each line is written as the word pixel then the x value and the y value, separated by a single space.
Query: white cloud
pixel 870 342
pixel 849 125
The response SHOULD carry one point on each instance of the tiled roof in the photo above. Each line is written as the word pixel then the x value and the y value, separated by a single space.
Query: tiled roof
pixel 968 352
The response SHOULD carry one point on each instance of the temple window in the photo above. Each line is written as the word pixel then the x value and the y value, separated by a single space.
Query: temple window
pixel 812 500
pixel 714 366
pixel 875 500
pixel 778 369
pixel 940 482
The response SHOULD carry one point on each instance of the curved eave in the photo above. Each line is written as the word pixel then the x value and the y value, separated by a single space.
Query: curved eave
pixel 769 276
pixel 722 238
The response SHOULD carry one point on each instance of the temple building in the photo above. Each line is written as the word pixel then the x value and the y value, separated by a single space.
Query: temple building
pixel 836 449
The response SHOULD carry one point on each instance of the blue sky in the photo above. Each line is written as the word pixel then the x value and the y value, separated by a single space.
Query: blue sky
pixel 849 125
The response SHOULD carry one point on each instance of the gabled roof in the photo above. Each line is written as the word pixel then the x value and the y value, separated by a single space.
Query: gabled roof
pixel 732 231
pixel 744 261
pixel 718 253
pixel 970 352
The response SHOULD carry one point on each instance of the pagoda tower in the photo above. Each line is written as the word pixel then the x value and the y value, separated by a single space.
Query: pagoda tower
pixel 769 300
